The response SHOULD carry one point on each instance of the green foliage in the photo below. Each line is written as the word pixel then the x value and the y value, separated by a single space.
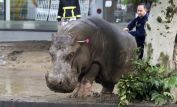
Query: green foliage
pixel 146 83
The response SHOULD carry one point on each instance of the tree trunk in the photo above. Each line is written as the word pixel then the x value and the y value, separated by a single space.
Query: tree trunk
pixel 161 32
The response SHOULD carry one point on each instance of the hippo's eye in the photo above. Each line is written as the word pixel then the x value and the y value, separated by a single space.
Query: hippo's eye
pixel 59 47
pixel 53 56
pixel 52 52
pixel 70 56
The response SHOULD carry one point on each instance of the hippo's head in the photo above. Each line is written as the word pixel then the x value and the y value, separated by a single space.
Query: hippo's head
pixel 69 57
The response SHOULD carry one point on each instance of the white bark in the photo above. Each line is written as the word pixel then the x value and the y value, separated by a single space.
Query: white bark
pixel 160 39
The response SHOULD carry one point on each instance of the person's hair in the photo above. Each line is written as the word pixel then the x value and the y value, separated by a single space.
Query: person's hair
pixel 143 4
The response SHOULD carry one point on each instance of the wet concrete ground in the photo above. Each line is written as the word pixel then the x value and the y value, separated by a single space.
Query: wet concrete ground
pixel 22 77
pixel 22 83
pixel 30 86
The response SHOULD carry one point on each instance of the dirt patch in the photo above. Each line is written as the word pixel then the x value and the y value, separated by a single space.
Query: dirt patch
pixel 26 55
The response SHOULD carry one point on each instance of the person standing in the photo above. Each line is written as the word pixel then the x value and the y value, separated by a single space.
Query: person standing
pixel 139 23
pixel 69 10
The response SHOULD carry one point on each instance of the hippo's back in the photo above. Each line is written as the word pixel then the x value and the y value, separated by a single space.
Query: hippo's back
pixel 117 51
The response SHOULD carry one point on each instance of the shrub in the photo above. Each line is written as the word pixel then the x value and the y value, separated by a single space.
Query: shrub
pixel 147 83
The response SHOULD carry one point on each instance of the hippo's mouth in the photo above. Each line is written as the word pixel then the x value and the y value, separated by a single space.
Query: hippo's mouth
pixel 66 86
pixel 62 89
pixel 56 88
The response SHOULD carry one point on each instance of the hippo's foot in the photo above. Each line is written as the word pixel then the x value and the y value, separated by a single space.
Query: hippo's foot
pixel 83 90
pixel 107 91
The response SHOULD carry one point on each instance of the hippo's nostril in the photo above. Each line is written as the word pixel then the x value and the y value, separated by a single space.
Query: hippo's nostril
pixel 60 82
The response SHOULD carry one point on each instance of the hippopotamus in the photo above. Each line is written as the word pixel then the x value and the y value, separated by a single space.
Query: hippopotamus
pixel 87 50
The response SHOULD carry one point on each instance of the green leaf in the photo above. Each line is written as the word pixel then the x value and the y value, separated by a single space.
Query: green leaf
pixel 123 98
pixel 154 96
pixel 160 101
pixel 168 94
pixel 161 69
pixel 170 82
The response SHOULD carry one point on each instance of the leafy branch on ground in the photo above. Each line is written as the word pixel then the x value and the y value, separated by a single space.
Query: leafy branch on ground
pixel 147 83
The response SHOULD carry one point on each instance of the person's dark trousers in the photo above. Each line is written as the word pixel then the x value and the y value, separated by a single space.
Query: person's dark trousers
pixel 141 51
pixel 140 45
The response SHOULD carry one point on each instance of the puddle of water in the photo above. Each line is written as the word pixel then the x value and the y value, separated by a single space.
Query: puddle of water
pixel 2 60
pixel 22 83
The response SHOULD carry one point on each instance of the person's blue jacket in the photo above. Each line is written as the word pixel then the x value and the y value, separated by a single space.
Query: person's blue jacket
pixel 139 33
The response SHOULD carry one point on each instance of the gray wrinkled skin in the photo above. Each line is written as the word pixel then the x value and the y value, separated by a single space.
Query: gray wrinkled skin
pixel 103 59
pixel 60 52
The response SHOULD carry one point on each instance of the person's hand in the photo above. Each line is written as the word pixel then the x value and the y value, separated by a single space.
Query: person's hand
pixel 125 29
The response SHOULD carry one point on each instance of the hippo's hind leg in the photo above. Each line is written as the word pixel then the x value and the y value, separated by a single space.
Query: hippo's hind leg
pixel 107 88
pixel 84 88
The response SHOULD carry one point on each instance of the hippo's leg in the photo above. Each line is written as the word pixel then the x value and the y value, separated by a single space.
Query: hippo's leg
pixel 107 89
pixel 84 88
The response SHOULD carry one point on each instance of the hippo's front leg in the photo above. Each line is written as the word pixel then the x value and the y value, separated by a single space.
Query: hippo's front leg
pixel 84 88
